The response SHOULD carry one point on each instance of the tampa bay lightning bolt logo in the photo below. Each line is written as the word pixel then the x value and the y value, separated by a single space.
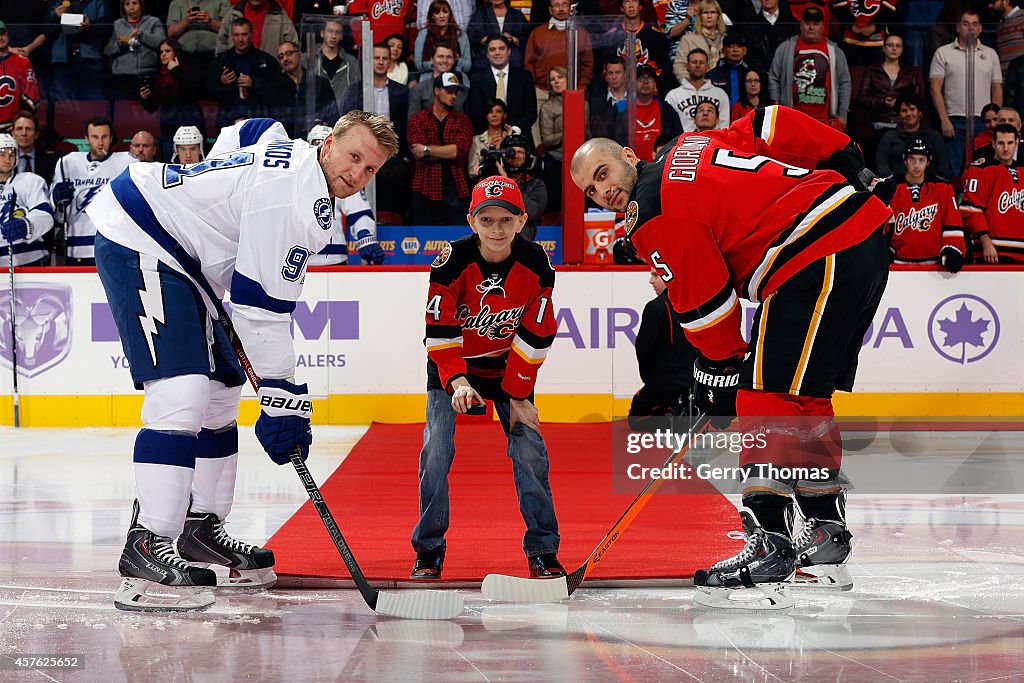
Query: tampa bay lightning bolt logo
pixel 323 209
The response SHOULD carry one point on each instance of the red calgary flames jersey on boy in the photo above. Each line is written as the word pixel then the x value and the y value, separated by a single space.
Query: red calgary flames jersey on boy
pixel 993 204
pixel 925 219
pixel 491 319
pixel 736 212
pixel 19 88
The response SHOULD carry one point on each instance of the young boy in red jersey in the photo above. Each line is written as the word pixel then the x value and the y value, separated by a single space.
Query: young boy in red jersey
pixel 490 323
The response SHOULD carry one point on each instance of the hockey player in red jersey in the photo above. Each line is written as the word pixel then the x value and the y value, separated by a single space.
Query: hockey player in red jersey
pixel 743 212
pixel 490 322
pixel 926 226
pixel 992 206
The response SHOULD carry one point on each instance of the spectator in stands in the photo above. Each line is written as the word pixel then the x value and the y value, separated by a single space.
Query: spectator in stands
pixel 865 25
pixel 992 209
pixel 1007 116
pixel 31 159
pixel 289 97
pixel 390 99
pixel 421 97
pixel 1009 32
pixel 25 20
pixel 441 29
pixel 386 17
pixel 461 11
pixel 497 18
pixel 607 104
pixel 1013 85
pixel 195 24
pixel 239 77
pixel 498 128
pixel 989 117
pixel 705 117
pixel 654 117
pixel 546 49
pixel 20 86
pixel 926 226
pixel 918 18
pixel 79 69
pixel 809 73
pixel 520 168
pixel 772 26
pixel 728 75
pixel 175 93
pixel 889 157
pixel 651 43
pixel 551 121
pixel 398 69
pixel 695 89
pixel 678 20
pixel 439 139
pixel 144 147
pixel 332 62
pixel 504 82
pixel 948 79
pixel 708 35
pixel 270 25
pixel 133 49
pixel 882 86
pixel 754 96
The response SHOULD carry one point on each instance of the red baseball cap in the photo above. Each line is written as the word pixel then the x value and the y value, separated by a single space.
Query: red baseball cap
pixel 497 191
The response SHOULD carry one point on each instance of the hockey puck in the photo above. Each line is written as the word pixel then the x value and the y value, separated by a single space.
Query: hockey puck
pixel 477 409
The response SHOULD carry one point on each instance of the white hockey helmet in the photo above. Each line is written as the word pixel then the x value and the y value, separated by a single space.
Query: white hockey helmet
pixel 317 134
pixel 7 142
pixel 188 135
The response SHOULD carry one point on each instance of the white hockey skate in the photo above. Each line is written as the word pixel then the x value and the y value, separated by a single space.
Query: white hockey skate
pixel 822 548
pixel 156 579
pixel 755 578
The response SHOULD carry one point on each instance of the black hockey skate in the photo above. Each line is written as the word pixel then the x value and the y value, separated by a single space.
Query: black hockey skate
pixel 204 542
pixel 156 579
pixel 822 547
pixel 753 579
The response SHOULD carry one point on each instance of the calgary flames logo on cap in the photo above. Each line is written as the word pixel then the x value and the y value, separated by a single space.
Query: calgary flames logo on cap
pixel 493 190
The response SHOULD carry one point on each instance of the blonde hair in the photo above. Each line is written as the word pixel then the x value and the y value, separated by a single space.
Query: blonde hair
pixel 720 27
pixel 561 71
pixel 381 128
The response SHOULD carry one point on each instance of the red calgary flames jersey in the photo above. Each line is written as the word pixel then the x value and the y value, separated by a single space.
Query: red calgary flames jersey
pixel 19 88
pixel 491 319
pixel 993 204
pixel 925 219
pixel 386 17
pixel 736 212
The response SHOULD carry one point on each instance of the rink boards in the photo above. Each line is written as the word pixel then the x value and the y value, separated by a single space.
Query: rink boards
pixel 940 345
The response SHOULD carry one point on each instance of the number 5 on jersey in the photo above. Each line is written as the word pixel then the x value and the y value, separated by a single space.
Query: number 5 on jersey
pixel 664 271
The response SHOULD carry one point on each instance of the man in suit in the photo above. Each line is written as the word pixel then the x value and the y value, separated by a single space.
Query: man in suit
pixel 31 160
pixel 505 82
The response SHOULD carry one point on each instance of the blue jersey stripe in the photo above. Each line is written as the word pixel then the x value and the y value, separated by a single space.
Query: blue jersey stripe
pixel 247 292
pixel 81 240
pixel 249 133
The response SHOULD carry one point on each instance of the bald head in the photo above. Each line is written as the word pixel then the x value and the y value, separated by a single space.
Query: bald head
pixel 143 146
pixel 1008 115
pixel 605 171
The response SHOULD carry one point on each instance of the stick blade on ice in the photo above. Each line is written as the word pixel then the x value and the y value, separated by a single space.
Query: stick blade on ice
pixel 414 604
pixel 517 589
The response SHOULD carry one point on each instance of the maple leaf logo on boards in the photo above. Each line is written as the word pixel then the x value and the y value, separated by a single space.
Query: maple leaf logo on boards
pixel 963 328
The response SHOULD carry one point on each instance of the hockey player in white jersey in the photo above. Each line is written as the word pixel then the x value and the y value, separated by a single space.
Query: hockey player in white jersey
pixel 353 223
pixel 25 212
pixel 188 145
pixel 171 239
pixel 77 180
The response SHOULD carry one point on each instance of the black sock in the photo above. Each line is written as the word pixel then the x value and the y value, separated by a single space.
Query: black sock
pixel 820 507
pixel 770 510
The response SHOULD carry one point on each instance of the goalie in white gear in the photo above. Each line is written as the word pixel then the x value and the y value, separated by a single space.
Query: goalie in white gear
pixel 354 223
pixel 171 240
pixel 25 211
pixel 188 145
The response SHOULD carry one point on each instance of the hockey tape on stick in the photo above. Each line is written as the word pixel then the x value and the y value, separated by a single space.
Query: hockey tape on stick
pixel 516 589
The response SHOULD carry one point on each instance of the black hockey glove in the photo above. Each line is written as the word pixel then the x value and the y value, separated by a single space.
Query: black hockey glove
pixel 714 388
pixel 623 253
pixel 951 259
pixel 849 162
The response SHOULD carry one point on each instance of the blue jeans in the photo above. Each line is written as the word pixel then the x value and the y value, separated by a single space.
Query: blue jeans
pixel 958 145
pixel 529 469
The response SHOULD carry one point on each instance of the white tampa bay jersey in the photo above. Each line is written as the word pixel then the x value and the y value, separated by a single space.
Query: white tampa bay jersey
pixel 89 177
pixel 245 222
pixel 353 224
pixel 33 204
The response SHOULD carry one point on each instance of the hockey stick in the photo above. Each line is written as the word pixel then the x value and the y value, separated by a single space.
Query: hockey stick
pixel 408 604
pixel 517 589
pixel 14 326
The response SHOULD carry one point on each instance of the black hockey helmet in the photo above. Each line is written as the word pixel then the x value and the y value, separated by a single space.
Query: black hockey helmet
pixel 524 141
pixel 917 146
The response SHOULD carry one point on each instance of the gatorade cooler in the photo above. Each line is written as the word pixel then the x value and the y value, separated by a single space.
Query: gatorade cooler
pixel 599 231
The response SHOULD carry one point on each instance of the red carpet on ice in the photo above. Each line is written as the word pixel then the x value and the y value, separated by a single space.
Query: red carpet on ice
pixel 373 497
